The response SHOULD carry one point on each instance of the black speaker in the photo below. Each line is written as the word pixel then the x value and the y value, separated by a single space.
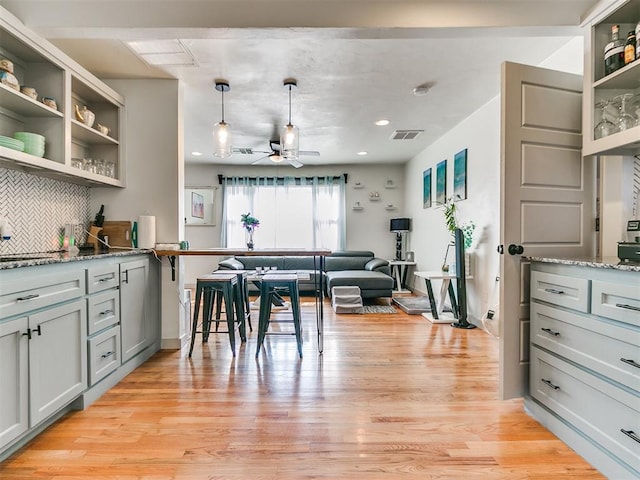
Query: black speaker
pixel 461 282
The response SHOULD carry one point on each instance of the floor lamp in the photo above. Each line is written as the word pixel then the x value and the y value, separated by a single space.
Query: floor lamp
pixel 400 226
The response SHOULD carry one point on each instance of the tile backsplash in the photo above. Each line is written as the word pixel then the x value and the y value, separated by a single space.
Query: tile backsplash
pixel 38 208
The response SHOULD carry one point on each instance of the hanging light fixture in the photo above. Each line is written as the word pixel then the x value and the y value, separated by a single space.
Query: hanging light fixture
pixel 222 130
pixel 289 134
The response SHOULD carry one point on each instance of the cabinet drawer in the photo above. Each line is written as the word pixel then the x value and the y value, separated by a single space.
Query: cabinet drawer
pixel 617 301
pixel 103 310
pixel 608 349
pixel 597 408
pixel 102 277
pixel 24 293
pixel 104 354
pixel 561 290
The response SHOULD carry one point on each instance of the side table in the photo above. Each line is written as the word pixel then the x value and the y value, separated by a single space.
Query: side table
pixel 437 314
pixel 399 270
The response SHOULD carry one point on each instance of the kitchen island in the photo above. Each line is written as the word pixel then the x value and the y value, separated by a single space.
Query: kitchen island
pixel 584 377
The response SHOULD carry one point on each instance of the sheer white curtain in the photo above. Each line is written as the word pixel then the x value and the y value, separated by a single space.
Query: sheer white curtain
pixel 293 212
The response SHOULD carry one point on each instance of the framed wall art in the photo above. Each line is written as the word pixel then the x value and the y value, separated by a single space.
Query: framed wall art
pixel 460 175
pixel 441 183
pixel 426 188
pixel 199 206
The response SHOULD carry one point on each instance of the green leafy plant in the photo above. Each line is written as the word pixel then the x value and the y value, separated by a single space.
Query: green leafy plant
pixel 248 222
pixel 452 223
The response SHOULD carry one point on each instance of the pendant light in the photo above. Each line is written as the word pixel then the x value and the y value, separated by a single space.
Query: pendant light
pixel 222 130
pixel 289 134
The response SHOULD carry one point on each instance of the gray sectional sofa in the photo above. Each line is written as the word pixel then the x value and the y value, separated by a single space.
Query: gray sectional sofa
pixel 342 268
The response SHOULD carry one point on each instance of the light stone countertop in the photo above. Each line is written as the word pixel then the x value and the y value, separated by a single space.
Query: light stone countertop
pixel 48 258
pixel 613 263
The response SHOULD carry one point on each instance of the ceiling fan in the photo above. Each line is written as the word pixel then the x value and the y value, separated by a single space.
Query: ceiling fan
pixel 274 154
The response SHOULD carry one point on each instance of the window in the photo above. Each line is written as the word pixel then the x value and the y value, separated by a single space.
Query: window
pixel 303 212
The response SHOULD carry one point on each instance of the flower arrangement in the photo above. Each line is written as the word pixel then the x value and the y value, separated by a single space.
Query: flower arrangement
pixel 248 222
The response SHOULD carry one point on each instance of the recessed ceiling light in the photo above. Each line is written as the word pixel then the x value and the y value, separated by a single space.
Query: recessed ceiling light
pixel 196 154
pixel 382 123
pixel 362 153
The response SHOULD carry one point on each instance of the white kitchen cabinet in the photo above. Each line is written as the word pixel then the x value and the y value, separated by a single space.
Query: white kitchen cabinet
pixel 135 318
pixel 39 64
pixel 598 87
pixel 584 382
pixel 14 380
pixel 57 358
pixel 43 347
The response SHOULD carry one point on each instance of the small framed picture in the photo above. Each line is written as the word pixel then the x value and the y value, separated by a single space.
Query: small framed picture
pixel 441 183
pixel 426 188
pixel 197 205
pixel 460 175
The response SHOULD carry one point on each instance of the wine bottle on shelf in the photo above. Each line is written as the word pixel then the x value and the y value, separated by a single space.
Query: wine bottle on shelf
pixel 630 48
pixel 614 52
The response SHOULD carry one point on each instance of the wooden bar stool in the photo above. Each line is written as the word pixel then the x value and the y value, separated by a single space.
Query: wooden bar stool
pixel 225 284
pixel 273 284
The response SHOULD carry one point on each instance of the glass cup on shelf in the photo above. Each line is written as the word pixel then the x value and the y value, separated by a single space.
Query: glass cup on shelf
pixel 605 127
pixel 100 166
pixel 625 120
pixel 76 163
pixel 110 169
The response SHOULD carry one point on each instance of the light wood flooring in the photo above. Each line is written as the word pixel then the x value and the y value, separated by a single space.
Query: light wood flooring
pixel 393 397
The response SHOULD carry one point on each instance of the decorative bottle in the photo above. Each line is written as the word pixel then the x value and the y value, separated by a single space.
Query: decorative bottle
pixel 614 52
pixel 630 48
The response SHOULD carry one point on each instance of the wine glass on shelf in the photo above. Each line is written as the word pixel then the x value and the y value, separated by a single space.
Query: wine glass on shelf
pixel 636 110
pixel 624 120
pixel 605 127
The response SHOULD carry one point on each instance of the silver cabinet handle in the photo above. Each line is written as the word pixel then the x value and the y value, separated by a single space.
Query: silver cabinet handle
pixel 631 434
pixel 549 384
pixel 550 332
pixel 106 312
pixel 105 279
pixel 106 355
pixel 554 291
pixel 628 307
pixel 28 297
pixel 631 362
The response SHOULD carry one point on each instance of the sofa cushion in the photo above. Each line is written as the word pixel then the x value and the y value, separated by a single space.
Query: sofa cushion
pixel 364 279
pixel 298 263
pixel 345 263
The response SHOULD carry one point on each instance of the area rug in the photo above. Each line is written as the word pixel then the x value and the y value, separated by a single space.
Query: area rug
pixel 378 309
pixel 415 305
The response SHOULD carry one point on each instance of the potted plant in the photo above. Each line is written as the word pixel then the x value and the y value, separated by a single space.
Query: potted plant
pixel 451 221
pixel 249 223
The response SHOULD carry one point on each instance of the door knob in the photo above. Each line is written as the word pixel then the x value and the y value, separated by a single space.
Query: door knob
pixel 515 249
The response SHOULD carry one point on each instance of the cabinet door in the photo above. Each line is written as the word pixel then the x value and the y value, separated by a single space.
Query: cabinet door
pixel 14 375
pixel 134 315
pixel 57 358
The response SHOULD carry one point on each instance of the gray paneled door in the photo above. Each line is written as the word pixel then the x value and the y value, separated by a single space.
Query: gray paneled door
pixel 547 197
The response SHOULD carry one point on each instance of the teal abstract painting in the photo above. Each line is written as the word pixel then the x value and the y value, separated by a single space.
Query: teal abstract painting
pixel 441 183
pixel 426 188
pixel 460 175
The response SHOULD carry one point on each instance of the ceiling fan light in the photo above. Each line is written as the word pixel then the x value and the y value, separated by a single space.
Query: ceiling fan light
pixel 275 158
pixel 222 140
pixel 289 142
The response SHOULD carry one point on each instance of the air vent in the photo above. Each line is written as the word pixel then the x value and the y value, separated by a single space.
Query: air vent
pixel 405 134
pixel 242 151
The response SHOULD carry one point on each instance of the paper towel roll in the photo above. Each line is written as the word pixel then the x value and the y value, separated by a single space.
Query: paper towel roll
pixel 146 231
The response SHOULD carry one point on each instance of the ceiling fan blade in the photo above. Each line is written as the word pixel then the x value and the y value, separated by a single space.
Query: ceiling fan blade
pixel 295 163
pixel 309 153
pixel 255 162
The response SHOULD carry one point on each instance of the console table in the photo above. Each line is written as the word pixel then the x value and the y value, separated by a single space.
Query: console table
pixel 437 314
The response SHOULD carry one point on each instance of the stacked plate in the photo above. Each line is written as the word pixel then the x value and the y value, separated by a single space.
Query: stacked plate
pixel 33 143
pixel 12 143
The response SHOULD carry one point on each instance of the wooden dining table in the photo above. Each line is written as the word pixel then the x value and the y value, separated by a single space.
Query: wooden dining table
pixel 318 255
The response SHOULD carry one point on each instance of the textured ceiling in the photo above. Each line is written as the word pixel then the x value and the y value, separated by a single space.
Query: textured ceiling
pixel 355 62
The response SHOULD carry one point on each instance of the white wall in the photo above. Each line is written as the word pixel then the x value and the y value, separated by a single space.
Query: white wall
pixel 480 135
pixel 155 179
pixel 367 229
